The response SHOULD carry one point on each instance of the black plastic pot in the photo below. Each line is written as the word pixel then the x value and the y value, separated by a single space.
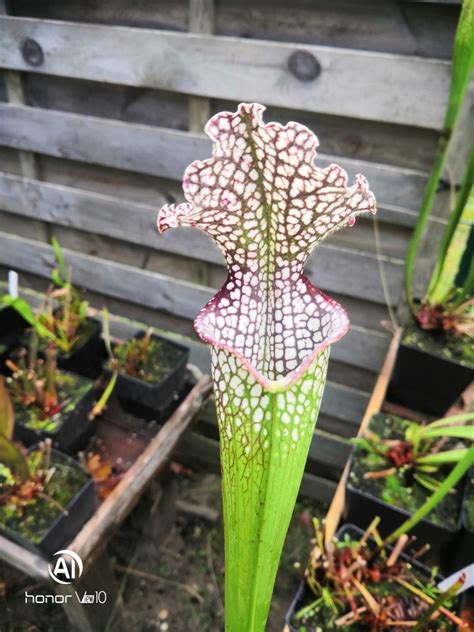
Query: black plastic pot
pixel 152 401
pixel 361 507
pixel 64 527
pixel 426 382
pixel 74 431
pixel 304 596
pixel 12 326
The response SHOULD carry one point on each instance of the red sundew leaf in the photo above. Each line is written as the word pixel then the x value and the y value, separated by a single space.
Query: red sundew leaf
pixel 266 205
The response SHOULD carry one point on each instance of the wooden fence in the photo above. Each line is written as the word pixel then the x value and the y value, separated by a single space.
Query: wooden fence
pixel 102 107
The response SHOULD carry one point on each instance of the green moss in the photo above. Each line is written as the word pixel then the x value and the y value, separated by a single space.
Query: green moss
pixel 398 489
pixel 442 344
pixel 39 513
pixel 71 389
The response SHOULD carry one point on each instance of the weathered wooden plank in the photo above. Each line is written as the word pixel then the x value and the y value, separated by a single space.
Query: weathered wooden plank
pixel 15 94
pixel 164 152
pixel 141 148
pixel 360 347
pixel 364 24
pixel 237 69
pixel 386 143
pixel 96 233
pixel 338 269
pixel 330 451
pixel 405 28
pixel 344 402
pixel 317 488
pixel 109 278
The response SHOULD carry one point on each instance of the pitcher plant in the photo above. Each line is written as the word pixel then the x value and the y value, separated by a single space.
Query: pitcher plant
pixel 266 206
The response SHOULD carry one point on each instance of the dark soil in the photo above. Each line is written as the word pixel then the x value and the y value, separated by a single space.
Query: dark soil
pixel 188 568
pixel 394 489
pixel 39 514
pixel 442 344
pixel 71 389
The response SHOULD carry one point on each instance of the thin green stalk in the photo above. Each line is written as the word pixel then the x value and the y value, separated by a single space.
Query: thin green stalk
pixel 437 603
pixel 100 405
pixel 447 456
pixel 448 421
pixel 463 62
pixel 449 482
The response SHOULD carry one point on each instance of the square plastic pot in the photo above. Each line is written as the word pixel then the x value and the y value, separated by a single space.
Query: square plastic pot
pixel 304 596
pixel 12 326
pixel 426 382
pixel 64 527
pixel 361 507
pixel 75 429
pixel 152 401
